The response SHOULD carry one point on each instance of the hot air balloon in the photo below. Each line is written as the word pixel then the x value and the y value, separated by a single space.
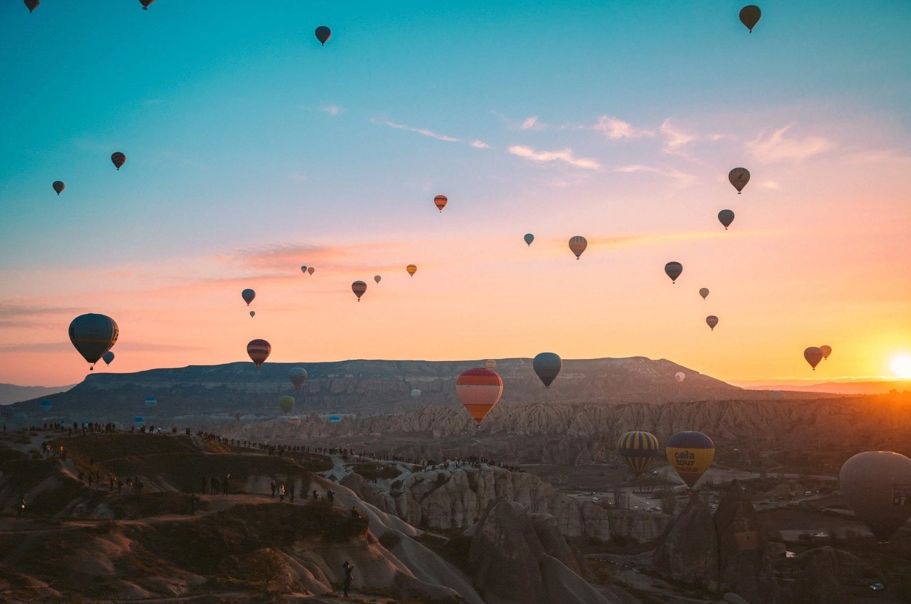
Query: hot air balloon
pixel 877 486
pixel 479 390
pixel 334 419
pixel 46 404
pixel 577 244
pixel 93 335
pixel 638 449
pixel 58 186
pixel 358 287
pixel 679 376
pixel 690 454
pixel 259 351
pixel 711 321
pixel 749 16
pixel 252 313
pixel 490 364
pixel 826 351
pixel 248 295
pixel 547 365
pixel 813 355
pixel 412 269
pixel 31 5
pixel 108 357
pixel 286 403
pixel 440 202
pixel 298 376
pixel 739 177
pixel 377 278
pixel 151 401
pixel 673 270
pixel 322 34
pixel 528 238
pixel 704 292
pixel 145 4
pixel 726 217
pixel 118 159
pixel 310 270
pixel 415 393
pixel 303 268
pixel 139 421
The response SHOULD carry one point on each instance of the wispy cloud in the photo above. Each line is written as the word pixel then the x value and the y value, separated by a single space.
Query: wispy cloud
pixel 682 178
pixel 674 138
pixel 332 110
pixel 530 123
pixel 479 144
pixel 14 311
pixel 564 155
pixel 422 131
pixel 286 257
pixel 778 146
pixel 617 129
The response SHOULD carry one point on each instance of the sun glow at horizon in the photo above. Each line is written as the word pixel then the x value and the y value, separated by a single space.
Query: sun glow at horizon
pixel 901 366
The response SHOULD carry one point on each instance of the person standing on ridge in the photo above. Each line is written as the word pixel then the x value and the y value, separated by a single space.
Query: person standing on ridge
pixel 349 570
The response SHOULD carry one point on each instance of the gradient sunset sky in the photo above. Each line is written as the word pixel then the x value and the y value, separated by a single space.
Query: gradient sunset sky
pixel 253 150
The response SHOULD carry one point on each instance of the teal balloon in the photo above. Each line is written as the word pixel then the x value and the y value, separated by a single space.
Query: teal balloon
pixel 547 366
pixel 529 238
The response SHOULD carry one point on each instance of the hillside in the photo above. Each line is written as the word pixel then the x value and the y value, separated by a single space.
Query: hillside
pixel 11 393
pixel 370 387
pixel 174 540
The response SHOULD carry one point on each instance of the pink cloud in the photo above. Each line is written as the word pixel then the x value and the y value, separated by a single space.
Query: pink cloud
pixel 617 129
pixel 778 146
pixel 564 155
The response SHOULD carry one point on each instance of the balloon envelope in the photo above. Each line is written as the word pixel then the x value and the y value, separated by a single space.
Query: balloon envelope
pixel 638 449
pixel 259 351
pixel 704 292
pixel 93 335
pixel 440 202
pixel 528 238
pixel 577 245
pixel 415 393
pixel 739 178
pixel 58 186
pixel 479 390
pixel 813 356
pixel 826 351
pixel 711 321
pixel 690 454
pixel 108 357
pixel 377 278
pixel 298 376
pixel 151 401
pixel 679 376
pixel 310 270
pixel 547 365
pixel 303 268
pixel 412 269
pixel 286 403
pixel 726 217
pixel 118 159
pixel 32 4
pixel 252 313
pixel 146 3
pixel 248 295
pixel 749 16
pixel 673 270
pixel 359 287
pixel 323 34
pixel 877 486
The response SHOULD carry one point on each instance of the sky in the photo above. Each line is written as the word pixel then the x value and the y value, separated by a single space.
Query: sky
pixel 252 150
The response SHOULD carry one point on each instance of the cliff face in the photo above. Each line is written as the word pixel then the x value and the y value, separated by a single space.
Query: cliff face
pixel 457 497
pixel 516 558
pixel 370 387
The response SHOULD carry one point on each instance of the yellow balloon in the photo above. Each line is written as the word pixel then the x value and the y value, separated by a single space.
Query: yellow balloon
pixel 690 454
pixel 412 269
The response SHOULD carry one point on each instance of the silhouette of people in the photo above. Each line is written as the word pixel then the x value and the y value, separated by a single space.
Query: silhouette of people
pixel 349 571
pixel 20 509
pixel 281 492
pixel 272 486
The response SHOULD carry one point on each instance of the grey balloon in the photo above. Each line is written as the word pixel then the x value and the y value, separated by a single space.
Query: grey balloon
pixel 877 486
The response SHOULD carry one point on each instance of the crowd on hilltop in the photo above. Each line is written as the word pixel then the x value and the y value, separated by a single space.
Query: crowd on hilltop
pixel 93 476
